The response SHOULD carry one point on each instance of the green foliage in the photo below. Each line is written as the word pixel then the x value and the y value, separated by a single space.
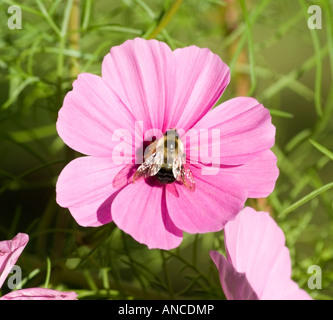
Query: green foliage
pixel 284 64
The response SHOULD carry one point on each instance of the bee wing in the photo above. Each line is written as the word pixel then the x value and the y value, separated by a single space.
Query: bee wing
pixel 182 172
pixel 150 150
pixel 152 164
pixel 176 168
pixel 187 177
pixel 145 171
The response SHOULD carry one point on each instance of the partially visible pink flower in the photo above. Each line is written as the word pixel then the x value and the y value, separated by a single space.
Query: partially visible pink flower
pixel 10 250
pixel 258 265
pixel 145 81
pixel 39 294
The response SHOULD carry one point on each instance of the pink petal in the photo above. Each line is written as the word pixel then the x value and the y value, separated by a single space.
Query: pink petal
pixel 293 292
pixel 39 294
pixel 85 186
pixel 90 114
pixel 234 284
pixel 259 174
pixel 10 250
pixel 201 79
pixel 256 247
pixel 93 214
pixel 142 73
pixel 252 239
pixel 282 287
pixel 245 131
pixel 140 210
pixel 216 200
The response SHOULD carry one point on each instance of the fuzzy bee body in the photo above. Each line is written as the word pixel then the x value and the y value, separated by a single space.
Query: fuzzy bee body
pixel 165 175
pixel 165 159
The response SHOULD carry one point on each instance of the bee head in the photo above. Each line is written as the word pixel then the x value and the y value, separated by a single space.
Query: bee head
pixel 172 133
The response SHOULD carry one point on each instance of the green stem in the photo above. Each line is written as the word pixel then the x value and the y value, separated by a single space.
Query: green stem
pixel 250 49
pixel 319 68
pixel 74 37
pixel 165 20
pixel 167 276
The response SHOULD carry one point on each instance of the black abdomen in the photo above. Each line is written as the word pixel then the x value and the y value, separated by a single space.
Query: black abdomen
pixel 165 175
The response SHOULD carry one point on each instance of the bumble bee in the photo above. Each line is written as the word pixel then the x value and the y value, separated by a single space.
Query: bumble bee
pixel 165 159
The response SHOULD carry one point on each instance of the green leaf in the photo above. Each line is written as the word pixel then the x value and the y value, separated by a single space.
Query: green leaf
pixel 322 149
pixel 48 17
pixel 33 134
pixel 307 198
pixel 282 114
pixel 18 90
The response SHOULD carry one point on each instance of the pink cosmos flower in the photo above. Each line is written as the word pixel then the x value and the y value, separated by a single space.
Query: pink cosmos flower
pixel 145 90
pixel 258 265
pixel 10 251
pixel 39 294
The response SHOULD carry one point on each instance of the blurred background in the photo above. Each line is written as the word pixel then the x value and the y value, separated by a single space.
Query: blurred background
pixel 273 56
